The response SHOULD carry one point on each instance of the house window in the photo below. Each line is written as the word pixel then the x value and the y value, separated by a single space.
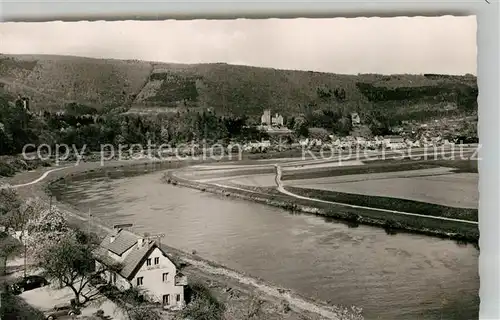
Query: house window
pixel 139 281
pixel 165 277
pixel 177 297
pixel 114 278
pixel 166 299
pixel 148 262
pixel 157 260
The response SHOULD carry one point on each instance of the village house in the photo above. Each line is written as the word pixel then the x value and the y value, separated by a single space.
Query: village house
pixel 275 121
pixel 394 142
pixel 143 264
pixel 23 102
pixel 355 119
pixel 265 119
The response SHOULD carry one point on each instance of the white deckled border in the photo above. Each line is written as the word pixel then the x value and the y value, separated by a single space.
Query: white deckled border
pixel 488 74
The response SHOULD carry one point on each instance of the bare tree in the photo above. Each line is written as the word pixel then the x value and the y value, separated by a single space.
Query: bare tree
pixel 71 262
pixel 15 215
pixel 47 229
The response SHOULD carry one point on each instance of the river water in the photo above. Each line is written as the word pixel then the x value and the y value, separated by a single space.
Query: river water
pixel 401 276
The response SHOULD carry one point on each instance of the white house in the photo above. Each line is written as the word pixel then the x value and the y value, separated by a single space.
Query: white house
pixel 144 264
pixel 277 120
pixel 265 119
pixel 394 142
pixel 304 142
pixel 270 121
pixel 355 119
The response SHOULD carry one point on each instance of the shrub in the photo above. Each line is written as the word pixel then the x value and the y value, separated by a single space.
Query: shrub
pixel 6 170
pixel 202 304
pixel 18 164
pixel 392 224
pixel 352 217
pixel 285 307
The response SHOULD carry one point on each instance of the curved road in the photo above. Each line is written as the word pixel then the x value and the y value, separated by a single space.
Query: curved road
pixel 284 191
pixel 296 301
pixel 39 179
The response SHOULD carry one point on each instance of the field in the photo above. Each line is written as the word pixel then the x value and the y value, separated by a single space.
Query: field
pixel 385 166
pixel 260 180
pixel 212 175
pixel 455 190
pixel 331 181
pixel 323 164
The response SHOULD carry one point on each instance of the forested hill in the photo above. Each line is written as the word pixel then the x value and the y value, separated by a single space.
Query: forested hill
pixel 51 82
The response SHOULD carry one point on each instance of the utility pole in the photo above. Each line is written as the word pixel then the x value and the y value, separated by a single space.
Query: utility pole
pixel 25 254
pixel 89 221
pixel 23 240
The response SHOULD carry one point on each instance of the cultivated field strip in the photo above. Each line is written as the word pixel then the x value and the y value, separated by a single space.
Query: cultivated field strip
pixel 284 191
pixel 452 190
pixel 371 176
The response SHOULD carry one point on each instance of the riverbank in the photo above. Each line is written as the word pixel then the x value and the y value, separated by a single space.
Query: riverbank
pixel 228 284
pixel 392 223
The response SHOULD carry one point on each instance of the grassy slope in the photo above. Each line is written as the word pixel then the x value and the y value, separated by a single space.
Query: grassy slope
pixel 51 80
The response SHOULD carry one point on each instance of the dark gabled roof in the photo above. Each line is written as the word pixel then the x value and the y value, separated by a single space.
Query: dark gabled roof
pixel 124 240
pixel 101 255
pixel 135 259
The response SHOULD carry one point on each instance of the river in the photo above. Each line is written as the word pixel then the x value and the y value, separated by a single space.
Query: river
pixel 400 276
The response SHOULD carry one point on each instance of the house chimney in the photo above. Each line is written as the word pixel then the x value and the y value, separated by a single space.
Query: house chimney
pixel 140 242
pixel 113 235
pixel 116 230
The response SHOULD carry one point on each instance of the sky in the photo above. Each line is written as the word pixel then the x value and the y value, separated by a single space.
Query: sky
pixel 341 45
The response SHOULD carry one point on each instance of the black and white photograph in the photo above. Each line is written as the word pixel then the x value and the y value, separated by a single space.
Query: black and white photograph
pixel 244 169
